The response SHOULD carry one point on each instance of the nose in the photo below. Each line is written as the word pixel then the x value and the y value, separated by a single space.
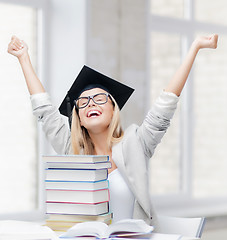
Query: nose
pixel 91 102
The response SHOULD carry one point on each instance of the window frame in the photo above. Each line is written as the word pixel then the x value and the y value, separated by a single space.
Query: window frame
pixel 183 204
pixel 42 7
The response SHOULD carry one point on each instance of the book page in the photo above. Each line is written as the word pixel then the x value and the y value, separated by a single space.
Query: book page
pixel 125 226
pixel 93 228
pixel 102 230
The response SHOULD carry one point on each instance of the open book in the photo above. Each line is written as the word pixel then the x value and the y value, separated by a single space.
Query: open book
pixel 126 227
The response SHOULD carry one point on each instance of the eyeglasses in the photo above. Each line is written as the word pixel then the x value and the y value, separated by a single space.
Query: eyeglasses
pixel 100 98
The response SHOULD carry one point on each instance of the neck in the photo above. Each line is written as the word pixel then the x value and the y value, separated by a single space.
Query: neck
pixel 100 143
pixel 101 147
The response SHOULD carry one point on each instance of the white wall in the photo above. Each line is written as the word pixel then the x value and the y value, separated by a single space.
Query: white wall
pixel 65 46
pixel 117 47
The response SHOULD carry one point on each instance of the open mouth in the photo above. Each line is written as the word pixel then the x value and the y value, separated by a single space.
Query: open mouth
pixel 93 113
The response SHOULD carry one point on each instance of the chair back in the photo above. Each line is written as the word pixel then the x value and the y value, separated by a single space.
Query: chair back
pixel 189 227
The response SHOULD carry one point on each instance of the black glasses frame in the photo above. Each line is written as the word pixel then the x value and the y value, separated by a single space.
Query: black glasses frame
pixel 89 99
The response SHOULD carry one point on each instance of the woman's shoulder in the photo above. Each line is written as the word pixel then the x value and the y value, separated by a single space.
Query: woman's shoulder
pixel 130 130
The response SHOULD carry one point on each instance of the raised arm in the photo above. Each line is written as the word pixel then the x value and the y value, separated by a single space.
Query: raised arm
pixel 54 126
pixel 178 81
pixel 19 49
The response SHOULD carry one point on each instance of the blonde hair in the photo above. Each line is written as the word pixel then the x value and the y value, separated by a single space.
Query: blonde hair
pixel 80 139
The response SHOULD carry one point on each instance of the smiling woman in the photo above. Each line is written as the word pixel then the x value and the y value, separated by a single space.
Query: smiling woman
pixel 96 128
pixel 95 120
pixel 103 110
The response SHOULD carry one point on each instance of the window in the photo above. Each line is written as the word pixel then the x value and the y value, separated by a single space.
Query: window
pixel 210 123
pixel 18 129
pixel 190 166
pixel 171 8
pixel 23 142
pixel 161 68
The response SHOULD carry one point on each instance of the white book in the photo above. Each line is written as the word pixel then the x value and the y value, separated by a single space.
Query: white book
pixel 126 227
pixel 77 196
pixel 75 208
pixel 76 174
pixel 77 185
pixel 76 158
pixel 72 165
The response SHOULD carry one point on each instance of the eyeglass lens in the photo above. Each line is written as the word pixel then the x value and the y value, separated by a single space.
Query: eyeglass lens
pixel 100 98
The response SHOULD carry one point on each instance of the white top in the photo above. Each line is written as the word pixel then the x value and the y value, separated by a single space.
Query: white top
pixel 121 197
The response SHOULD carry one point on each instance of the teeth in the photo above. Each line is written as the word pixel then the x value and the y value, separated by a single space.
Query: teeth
pixel 93 112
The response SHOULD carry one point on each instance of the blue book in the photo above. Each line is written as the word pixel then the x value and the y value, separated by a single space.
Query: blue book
pixel 76 174
pixel 77 185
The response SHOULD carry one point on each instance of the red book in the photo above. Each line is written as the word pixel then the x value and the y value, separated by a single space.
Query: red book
pixel 77 196
pixel 75 208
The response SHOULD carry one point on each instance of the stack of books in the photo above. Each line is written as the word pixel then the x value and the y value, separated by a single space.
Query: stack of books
pixel 77 190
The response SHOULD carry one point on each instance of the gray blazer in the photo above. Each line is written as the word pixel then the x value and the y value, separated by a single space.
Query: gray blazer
pixel 132 155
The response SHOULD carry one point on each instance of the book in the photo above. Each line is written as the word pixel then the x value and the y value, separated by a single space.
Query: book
pixel 76 158
pixel 72 165
pixel 77 185
pixel 125 227
pixel 76 174
pixel 79 218
pixel 77 196
pixel 76 208
pixel 64 226
pixel 62 222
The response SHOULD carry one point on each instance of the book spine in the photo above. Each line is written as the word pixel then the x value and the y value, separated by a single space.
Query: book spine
pixel 77 185
pixel 76 174
pixel 68 179
pixel 76 158
pixel 77 208
pixel 78 196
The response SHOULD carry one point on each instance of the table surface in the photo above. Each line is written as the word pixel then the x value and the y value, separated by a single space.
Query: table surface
pixel 154 236
pixel 18 230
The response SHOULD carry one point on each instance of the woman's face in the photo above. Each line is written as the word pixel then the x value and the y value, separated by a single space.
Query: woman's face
pixel 96 118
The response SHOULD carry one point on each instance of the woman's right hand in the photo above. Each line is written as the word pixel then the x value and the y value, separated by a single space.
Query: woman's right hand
pixel 17 47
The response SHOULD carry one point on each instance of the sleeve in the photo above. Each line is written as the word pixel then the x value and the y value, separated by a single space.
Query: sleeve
pixel 157 122
pixel 53 123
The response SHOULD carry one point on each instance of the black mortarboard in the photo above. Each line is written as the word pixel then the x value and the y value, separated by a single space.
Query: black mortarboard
pixel 87 79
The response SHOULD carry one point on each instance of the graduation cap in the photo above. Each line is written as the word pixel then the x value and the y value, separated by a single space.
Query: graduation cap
pixel 89 78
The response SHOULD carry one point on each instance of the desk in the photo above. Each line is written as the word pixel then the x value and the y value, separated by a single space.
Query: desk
pixel 17 230
pixel 154 236
pixel 160 236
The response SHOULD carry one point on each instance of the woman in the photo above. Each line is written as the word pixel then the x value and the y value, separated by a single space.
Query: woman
pixel 96 129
